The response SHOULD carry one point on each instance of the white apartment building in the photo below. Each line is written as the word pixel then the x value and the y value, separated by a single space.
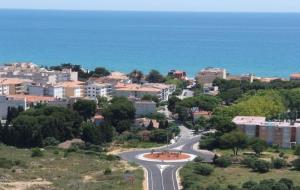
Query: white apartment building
pixel 161 91
pixel 92 90
pixel 4 89
pixel 36 74
pixel 56 91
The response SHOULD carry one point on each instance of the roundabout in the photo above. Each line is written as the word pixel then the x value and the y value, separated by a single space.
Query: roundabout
pixel 166 156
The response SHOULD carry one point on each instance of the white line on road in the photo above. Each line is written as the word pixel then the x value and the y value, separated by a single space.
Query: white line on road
pixel 173 179
pixel 162 180
pixel 151 177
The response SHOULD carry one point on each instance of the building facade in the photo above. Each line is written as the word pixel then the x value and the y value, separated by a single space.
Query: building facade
pixel 208 75
pixel 283 134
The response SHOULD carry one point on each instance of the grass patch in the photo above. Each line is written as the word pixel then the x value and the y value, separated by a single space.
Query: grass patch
pixel 75 171
pixel 235 175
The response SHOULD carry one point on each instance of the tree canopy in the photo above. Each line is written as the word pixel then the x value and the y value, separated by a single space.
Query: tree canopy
pixel 154 76
pixel 31 127
pixel 120 113
pixel 85 108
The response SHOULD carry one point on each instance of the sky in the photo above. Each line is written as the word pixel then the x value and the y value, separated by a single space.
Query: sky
pixel 159 5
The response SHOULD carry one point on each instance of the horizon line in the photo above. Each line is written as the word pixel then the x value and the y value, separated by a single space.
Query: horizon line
pixel 153 11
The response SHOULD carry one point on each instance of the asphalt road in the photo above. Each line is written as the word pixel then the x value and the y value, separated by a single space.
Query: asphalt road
pixel 162 175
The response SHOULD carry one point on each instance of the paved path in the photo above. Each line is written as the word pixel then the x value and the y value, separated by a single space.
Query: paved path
pixel 162 175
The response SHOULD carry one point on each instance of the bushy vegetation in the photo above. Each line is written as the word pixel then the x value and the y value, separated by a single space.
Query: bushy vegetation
pixel 223 161
pixel 31 128
pixel 203 169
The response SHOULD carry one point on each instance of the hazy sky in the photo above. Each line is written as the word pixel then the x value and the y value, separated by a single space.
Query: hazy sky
pixel 159 5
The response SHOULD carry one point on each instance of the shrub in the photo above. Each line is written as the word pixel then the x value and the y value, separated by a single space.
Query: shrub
pixel 6 164
pixel 50 141
pixel 213 187
pixel 198 159
pixel 281 154
pixel 36 152
pixel 249 184
pixel 107 171
pixel 261 166
pixel 55 152
pixel 249 161
pixel 297 150
pixel 223 161
pixel 232 187
pixel 278 163
pixel 111 157
pixel 296 164
pixel 279 186
pixel 203 169
pixel 289 183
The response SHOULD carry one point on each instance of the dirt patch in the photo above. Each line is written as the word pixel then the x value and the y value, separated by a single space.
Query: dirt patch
pixel 167 156
pixel 23 185
pixel 87 179
pixel 67 144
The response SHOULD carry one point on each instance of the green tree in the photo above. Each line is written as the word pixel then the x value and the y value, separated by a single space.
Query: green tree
pixel 85 108
pixel 150 126
pixel 136 76
pixel 101 72
pixel 258 145
pixel 235 140
pixel 102 102
pixel 155 77
pixel 172 101
pixel 33 126
pixel 96 134
pixel 149 97
pixel 160 135
pixel 296 164
pixel 120 113
pixel 297 150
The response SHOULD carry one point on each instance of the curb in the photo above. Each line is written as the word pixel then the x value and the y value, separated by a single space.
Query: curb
pixel 145 181
pixel 178 179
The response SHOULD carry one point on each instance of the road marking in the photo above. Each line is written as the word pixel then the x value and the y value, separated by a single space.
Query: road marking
pixel 173 179
pixel 162 167
pixel 151 175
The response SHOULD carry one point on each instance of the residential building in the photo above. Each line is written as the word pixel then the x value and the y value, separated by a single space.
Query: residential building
pixel 201 113
pixel 36 74
pixel 144 122
pixel 178 74
pixel 144 108
pixel 295 76
pixel 93 89
pixel 208 75
pixel 284 134
pixel 161 91
pixel 11 86
pixel 98 119
pixel 113 79
pixel 73 88
pixel 65 89
pixel 6 102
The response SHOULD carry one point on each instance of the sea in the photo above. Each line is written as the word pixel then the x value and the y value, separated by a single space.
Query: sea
pixel 265 44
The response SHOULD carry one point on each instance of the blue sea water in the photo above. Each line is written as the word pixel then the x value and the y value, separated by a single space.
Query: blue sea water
pixel 262 43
